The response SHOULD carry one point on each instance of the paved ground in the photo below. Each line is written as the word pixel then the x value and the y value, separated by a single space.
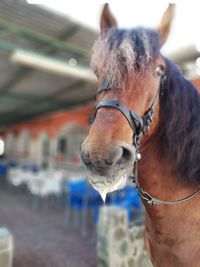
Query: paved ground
pixel 41 238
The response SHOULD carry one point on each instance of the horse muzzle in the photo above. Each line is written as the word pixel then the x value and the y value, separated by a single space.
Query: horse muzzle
pixel 108 168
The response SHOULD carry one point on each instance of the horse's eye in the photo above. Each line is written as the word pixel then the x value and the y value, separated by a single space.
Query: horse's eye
pixel 160 71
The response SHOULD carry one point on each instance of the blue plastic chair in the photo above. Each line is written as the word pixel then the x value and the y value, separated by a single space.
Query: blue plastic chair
pixel 12 164
pixel 34 168
pixel 26 167
pixel 3 169
pixel 129 199
pixel 80 198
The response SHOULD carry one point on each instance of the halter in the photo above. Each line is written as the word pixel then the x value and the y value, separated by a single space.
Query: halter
pixel 139 125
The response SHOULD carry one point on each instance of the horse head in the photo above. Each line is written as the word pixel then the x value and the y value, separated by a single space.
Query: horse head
pixel 129 69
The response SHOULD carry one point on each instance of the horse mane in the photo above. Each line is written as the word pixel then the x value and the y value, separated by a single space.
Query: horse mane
pixel 122 52
pixel 179 125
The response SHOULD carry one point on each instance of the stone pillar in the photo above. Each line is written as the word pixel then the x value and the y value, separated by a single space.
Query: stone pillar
pixel 6 248
pixel 117 245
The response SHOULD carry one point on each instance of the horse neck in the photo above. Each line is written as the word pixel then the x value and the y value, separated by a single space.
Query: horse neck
pixel 156 174
pixel 166 166
pixel 166 226
pixel 157 177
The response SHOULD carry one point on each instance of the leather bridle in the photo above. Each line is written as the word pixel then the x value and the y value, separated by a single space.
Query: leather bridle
pixel 139 125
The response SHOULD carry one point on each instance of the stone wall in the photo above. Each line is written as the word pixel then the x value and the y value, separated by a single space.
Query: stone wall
pixel 117 244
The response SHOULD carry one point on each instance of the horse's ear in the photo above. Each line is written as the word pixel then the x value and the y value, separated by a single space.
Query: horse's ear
pixel 107 20
pixel 165 23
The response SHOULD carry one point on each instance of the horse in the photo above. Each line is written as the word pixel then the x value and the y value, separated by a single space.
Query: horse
pixel 147 124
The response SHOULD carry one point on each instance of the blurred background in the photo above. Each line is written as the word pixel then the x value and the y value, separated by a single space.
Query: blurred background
pixel 49 216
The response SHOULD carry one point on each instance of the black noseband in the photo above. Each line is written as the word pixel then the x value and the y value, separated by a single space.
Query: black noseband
pixel 135 121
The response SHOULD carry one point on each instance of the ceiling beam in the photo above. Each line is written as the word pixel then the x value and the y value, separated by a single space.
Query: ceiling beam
pixel 8 85
pixel 33 99
pixel 22 71
pixel 67 89
pixel 42 38
pixel 64 36
pixel 52 64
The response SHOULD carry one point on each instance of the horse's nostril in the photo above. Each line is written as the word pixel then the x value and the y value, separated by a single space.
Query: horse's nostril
pixel 115 156
pixel 122 155
pixel 128 155
pixel 85 157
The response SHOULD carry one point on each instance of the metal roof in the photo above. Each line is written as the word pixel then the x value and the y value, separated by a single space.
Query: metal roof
pixel 29 92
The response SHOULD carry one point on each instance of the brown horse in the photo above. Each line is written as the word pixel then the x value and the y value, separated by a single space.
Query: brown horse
pixel 139 88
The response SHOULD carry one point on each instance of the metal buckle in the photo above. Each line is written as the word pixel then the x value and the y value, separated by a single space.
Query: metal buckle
pixel 147 197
